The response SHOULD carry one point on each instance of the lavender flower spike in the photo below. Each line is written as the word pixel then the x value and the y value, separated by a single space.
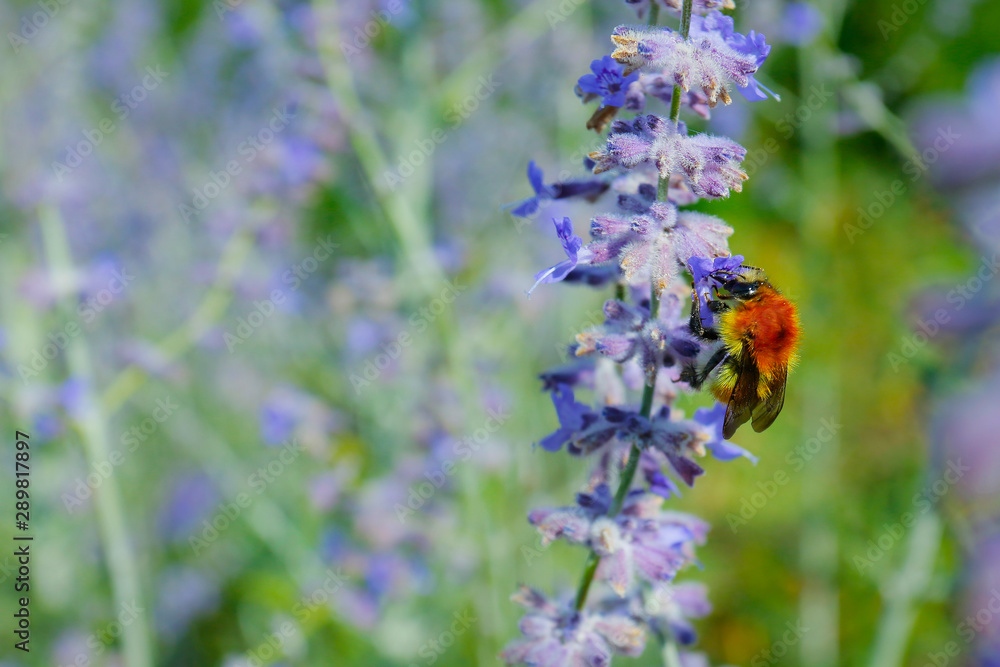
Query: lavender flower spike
pixel 645 244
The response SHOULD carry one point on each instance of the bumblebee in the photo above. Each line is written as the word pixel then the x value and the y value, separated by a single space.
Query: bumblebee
pixel 757 333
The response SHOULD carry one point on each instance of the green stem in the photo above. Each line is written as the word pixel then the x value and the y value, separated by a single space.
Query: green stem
pixel 675 97
pixel 905 590
pixel 671 652
pixel 122 570
pixel 632 464
pixel 628 474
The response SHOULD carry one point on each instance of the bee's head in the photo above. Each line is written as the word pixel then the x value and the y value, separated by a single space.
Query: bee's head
pixel 744 283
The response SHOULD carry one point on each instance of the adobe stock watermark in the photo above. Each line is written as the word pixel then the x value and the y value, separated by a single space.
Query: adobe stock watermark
pixel 463 450
pixel 408 163
pixel 33 23
pixel 562 12
pixel 246 152
pixel 364 35
pixel 418 323
pixel 816 99
pixel 531 553
pixel 958 297
pixel 274 643
pixel 432 649
pixel 247 325
pixel 915 168
pixel 797 459
pixel 970 627
pixel 121 108
pixel 86 311
pixel 901 13
pixel 99 641
pixel 131 439
pixel 228 512
pixel 773 654
pixel 923 502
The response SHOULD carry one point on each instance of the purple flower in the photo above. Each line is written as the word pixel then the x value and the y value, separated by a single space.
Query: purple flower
pixel 579 425
pixel 575 253
pixel 557 635
pixel 587 188
pixel 608 80
pixel 753 46
pixel 574 374
pixel 711 165
pixel 800 23
pixel 722 449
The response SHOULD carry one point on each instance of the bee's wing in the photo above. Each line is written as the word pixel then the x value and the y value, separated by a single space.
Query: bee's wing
pixel 767 410
pixel 743 400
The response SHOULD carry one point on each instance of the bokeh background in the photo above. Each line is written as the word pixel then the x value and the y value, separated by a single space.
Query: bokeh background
pixel 257 290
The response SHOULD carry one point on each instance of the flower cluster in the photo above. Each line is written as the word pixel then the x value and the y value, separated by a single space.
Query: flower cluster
pixel 644 243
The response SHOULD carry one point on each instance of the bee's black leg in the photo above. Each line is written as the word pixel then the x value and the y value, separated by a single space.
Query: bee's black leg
pixel 695 323
pixel 718 306
pixel 696 378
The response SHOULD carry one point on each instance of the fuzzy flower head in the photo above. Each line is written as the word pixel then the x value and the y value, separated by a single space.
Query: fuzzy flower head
pixel 706 61
pixel 710 165
pixel 557 635
pixel 608 81
pixel 641 542
pixel 629 332
pixel 656 244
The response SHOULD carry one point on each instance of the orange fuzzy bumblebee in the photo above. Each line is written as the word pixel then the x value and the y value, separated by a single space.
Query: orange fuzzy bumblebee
pixel 759 331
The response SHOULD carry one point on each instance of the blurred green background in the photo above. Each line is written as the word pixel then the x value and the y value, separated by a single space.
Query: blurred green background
pixel 265 314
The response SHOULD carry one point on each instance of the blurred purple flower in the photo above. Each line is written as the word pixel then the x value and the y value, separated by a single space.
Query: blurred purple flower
pixel 800 23
pixel 640 542
pixel 185 594
pixel 557 635
pixel 190 497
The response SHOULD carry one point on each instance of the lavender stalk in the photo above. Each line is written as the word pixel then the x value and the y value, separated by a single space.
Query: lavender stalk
pixel 643 247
